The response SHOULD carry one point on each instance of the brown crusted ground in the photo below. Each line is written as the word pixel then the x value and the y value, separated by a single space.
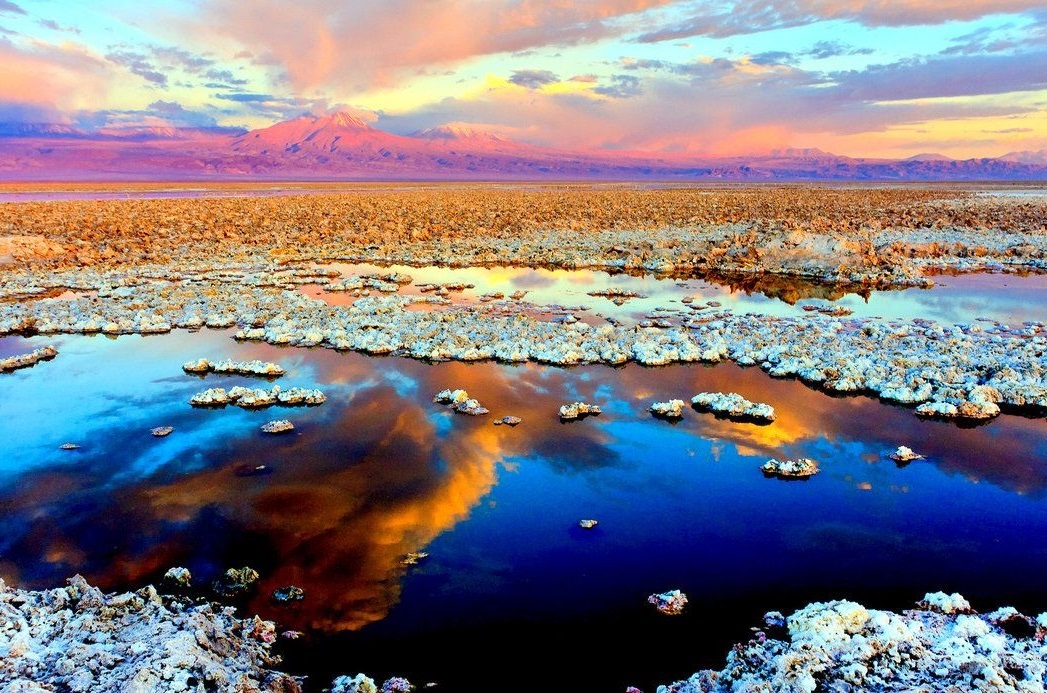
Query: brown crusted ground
pixel 326 224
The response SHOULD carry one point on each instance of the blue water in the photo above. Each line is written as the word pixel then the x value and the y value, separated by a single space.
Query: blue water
pixel 511 581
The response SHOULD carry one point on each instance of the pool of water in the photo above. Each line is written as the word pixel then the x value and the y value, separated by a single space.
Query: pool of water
pixel 1007 298
pixel 379 471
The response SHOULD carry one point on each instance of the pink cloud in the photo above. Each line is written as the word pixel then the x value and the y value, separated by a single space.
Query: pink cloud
pixel 59 77
pixel 355 46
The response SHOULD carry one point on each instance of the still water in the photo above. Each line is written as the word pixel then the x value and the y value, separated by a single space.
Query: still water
pixel 511 584
pixel 1007 298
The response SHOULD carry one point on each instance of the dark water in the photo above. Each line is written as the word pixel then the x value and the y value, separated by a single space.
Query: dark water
pixel 513 590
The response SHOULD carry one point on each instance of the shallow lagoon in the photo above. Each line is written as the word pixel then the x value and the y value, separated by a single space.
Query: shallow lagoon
pixel 1007 298
pixel 379 471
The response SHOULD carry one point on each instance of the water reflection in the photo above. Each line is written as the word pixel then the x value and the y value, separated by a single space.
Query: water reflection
pixel 1008 298
pixel 379 471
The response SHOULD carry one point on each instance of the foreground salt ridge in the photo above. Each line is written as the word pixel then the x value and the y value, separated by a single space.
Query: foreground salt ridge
pixel 78 638
pixel 842 645
pixel 960 371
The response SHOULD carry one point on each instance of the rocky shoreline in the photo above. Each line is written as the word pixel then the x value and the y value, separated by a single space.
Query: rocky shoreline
pixel 79 638
pixel 942 645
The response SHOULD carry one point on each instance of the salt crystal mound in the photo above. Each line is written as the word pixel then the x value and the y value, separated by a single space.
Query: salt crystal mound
pixel 277 426
pixel 911 362
pixel 587 523
pixel 841 645
pixel 178 576
pixel 508 421
pixel 358 284
pixel 228 366
pixel 577 410
pixel 257 398
pixel 904 454
pixel 460 401
pixel 671 602
pixel 161 431
pixel 12 363
pixel 800 468
pixel 733 405
pixel 673 409
pixel 81 639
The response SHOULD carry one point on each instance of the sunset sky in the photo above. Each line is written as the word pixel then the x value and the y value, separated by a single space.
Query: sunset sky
pixel 893 78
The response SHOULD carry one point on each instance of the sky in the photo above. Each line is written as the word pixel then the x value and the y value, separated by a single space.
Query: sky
pixel 874 78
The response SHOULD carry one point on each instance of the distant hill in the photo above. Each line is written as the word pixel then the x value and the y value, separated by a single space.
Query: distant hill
pixel 342 146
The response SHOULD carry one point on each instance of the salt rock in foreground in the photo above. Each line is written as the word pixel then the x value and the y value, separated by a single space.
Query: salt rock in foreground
pixel 905 454
pixel 576 410
pixel 365 684
pixel 843 646
pixel 230 367
pixel 256 398
pixel 800 468
pixel 673 409
pixel 733 405
pixel 461 402
pixel 12 363
pixel 671 602
pixel 78 638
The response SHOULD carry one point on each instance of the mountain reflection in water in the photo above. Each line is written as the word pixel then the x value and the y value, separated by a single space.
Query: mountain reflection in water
pixel 379 471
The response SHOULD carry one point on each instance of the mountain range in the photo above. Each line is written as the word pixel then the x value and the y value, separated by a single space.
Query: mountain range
pixel 342 146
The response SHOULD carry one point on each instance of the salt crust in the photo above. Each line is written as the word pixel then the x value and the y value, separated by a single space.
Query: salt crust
pixel 842 645
pixel 960 371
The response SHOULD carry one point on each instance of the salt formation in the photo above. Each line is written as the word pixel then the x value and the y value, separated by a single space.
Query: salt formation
pixel 78 638
pixel 178 576
pixel 161 431
pixel 904 454
pixel 288 594
pixel 841 645
pixel 235 581
pixel 26 360
pixel 800 468
pixel 587 524
pixel 958 370
pixel 733 405
pixel 277 426
pixel 671 602
pixel 576 410
pixel 228 366
pixel 460 401
pixel 256 398
pixel 508 421
pixel 413 558
pixel 673 409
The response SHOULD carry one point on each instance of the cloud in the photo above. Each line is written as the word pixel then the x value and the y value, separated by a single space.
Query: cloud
pixel 360 46
pixel 50 77
pixel 179 57
pixel 533 79
pixel 139 64
pixel 225 78
pixel 725 106
pixel 159 113
pixel 737 17
pixel 10 8
pixel 244 97
pixel 621 87
pixel 946 76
